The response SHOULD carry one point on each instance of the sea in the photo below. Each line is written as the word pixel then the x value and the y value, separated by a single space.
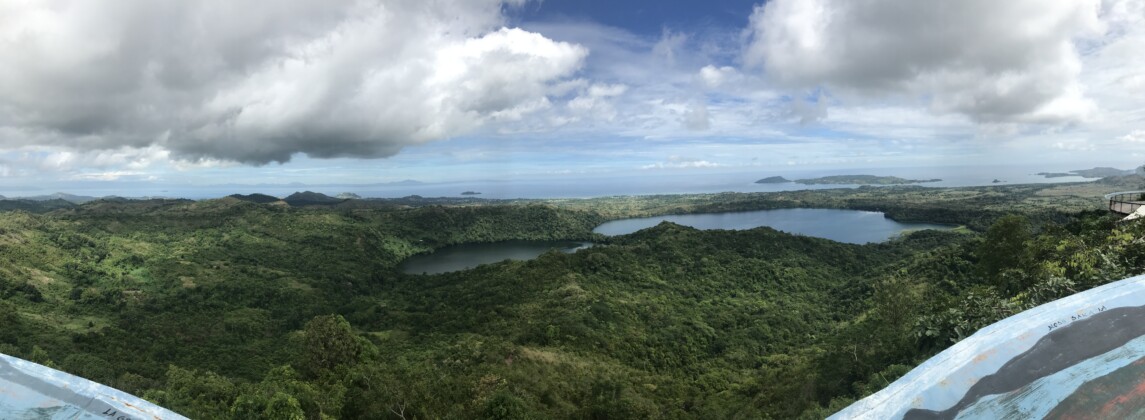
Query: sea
pixel 648 182
pixel 587 186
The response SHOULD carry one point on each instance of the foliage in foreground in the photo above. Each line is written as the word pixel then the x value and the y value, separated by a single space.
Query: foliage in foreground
pixel 226 309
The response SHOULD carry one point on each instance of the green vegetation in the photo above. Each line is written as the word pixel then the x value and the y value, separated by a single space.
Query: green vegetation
pixel 248 308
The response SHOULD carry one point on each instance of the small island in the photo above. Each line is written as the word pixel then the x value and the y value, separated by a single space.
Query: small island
pixel 863 180
pixel 773 180
pixel 471 193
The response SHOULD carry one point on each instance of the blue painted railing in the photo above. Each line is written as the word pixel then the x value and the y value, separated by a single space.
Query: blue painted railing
pixel 33 391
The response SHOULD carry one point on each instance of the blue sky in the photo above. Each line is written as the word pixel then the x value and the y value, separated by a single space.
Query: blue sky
pixel 645 18
pixel 133 93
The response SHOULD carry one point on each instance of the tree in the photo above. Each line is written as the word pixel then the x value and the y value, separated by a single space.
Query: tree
pixel 329 342
pixel 1004 259
pixel 205 393
pixel 505 406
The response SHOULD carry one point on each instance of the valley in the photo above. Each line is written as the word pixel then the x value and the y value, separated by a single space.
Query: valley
pixel 215 308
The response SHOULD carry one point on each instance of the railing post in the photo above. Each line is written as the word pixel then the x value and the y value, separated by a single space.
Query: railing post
pixel 1125 202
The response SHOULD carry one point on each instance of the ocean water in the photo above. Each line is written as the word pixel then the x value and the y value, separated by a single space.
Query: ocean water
pixel 712 182
pixel 649 182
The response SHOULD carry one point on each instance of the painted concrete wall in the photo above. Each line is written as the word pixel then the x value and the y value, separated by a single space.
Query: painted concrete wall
pixel 32 391
pixel 1080 356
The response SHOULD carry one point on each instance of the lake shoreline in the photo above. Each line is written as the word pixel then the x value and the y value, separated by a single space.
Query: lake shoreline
pixel 857 227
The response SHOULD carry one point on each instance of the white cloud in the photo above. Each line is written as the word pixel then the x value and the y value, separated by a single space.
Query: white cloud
pixel 1074 145
pixel 677 162
pixel 606 90
pixel 1122 14
pixel 596 102
pixel 134 88
pixel 1137 136
pixel 1011 61
pixel 63 160
pixel 713 77
pixel 259 81
pixel 111 176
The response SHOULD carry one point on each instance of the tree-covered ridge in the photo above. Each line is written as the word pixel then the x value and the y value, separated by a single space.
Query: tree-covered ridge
pixel 235 309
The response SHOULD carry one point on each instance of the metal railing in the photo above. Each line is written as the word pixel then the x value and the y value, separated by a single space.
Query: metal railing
pixel 1125 202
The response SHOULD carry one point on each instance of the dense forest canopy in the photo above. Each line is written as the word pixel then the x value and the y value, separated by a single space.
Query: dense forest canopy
pixel 236 308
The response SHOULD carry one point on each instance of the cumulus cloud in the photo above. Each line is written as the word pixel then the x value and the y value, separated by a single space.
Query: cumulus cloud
pixel 1009 61
pixel 258 81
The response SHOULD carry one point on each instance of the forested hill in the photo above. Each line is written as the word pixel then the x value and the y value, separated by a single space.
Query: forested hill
pixel 238 309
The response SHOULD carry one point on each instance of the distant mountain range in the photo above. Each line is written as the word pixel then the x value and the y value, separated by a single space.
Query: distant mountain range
pixel 78 199
pixel 31 206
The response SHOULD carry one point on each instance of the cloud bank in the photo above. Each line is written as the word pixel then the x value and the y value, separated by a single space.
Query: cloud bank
pixel 1009 61
pixel 259 81
pixel 210 90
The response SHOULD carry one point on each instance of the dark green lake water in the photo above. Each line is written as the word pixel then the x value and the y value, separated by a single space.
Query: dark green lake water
pixel 465 256
pixel 850 226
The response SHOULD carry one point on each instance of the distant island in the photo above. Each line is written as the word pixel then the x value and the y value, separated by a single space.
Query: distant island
pixel 1099 172
pixel 773 180
pixel 863 180
pixel 471 193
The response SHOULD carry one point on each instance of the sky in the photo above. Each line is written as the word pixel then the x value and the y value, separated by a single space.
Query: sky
pixel 132 93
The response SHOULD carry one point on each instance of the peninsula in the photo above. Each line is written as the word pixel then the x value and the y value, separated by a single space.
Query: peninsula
pixel 1099 172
